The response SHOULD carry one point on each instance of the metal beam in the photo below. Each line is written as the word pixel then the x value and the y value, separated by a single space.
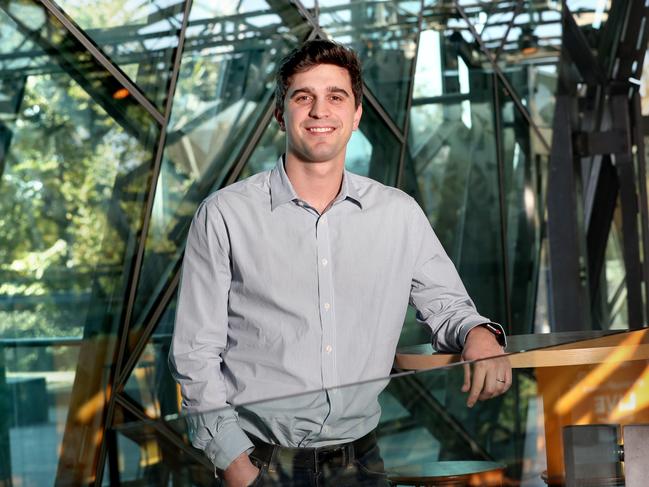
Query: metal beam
pixel 502 204
pixel 101 58
pixel 629 207
pixel 91 75
pixel 598 224
pixel 580 52
pixel 136 265
pixel 631 240
pixel 638 124
pixel 612 141
pixel 567 266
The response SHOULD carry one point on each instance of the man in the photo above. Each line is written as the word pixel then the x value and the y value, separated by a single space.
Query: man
pixel 298 279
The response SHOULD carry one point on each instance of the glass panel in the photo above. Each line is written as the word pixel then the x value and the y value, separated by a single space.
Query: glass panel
pixel 267 151
pixel 610 308
pixel 535 85
pixel 38 381
pixel 452 84
pixel 451 167
pixel 523 38
pixel 373 150
pixel 140 37
pixel 75 168
pixel 150 384
pixel 19 54
pixel 140 458
pixel 590 15
pixel 532 435
pixel 525 173
pixel 226 82
pixel 384 34
pixel 514 32
pixel 542 308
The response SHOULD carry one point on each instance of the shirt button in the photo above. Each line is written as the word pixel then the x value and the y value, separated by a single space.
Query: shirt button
pixel 328 348
pixel 325 262
pixel 327 306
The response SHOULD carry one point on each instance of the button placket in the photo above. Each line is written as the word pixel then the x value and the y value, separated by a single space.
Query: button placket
pixel 327 315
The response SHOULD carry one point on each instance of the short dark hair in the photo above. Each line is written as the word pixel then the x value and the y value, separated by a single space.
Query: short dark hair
pixel 313 53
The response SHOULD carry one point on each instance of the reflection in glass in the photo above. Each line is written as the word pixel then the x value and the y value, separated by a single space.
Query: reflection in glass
pixel 384 34
pixel 140 37
pixel 451 167
pixel 610 309
pixel 373 150
pixel 426 431
pixel 150 383
pixel 453 111
pixel 525 163
pixel 521 37
pixel 226 81
pixel 38 376
pixel 535 85
pixel 514 32
pixel 75 165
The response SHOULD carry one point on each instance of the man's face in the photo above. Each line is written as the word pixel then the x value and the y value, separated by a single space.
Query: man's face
pixel 319 114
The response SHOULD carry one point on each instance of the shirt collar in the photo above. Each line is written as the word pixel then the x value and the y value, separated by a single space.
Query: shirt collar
pixel 281 189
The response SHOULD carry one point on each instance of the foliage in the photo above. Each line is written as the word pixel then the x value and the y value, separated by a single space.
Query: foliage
pixel 62 234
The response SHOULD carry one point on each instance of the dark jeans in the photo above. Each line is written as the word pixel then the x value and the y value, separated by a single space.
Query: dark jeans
pixel 365 470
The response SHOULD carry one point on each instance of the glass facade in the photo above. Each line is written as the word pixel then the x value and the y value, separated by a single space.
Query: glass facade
pixel 117 118
pixel 139 37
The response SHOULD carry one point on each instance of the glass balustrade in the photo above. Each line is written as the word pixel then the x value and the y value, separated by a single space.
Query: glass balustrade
pixel 547 429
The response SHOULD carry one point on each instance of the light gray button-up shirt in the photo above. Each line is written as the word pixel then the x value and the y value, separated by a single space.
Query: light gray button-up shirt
pixel 276 299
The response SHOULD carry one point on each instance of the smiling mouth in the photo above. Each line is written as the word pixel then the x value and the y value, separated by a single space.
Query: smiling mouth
pixel 320 130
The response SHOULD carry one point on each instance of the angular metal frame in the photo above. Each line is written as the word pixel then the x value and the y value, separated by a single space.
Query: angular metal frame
pixel 136 266
pixel 124 362
pixel 100 57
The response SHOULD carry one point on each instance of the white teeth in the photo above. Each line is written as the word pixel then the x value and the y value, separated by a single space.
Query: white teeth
pixel 320 129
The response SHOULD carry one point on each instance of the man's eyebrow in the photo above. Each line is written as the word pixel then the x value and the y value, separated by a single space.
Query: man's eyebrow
pixel 336 89
pixel 309 90
pixel 304 89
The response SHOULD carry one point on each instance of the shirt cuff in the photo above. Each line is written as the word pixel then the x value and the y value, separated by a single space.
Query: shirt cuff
pixel 497 330
pixel 229 442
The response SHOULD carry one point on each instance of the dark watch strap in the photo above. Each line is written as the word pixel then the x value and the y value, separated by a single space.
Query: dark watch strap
pixel 498 332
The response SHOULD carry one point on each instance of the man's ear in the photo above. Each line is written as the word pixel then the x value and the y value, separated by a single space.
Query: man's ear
pixel 357 116
pixel 279 116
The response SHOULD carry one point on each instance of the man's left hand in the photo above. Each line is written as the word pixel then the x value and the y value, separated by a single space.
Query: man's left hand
pixel 489 378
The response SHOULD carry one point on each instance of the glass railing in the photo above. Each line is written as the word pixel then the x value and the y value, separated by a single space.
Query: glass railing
pixel 576 414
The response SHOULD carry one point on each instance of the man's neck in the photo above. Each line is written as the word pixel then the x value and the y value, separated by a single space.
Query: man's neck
pixel 317 183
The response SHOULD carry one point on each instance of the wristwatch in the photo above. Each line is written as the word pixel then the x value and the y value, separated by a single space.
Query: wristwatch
pixel 497 331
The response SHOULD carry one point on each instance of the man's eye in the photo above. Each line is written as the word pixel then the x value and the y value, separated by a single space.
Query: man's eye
pixel 302 98
pixel 336 98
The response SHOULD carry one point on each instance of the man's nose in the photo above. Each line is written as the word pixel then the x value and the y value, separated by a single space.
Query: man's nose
pixel 319 109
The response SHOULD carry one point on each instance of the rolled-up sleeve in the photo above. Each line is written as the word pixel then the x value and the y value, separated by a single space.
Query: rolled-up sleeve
pixel 200 336
pixel 437 292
